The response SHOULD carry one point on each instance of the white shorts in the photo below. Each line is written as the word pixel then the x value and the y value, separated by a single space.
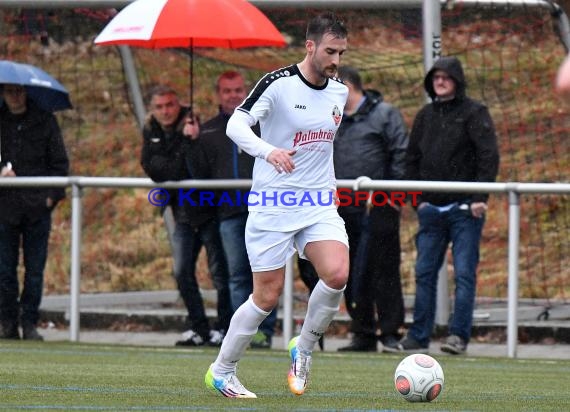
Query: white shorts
pixel 269 248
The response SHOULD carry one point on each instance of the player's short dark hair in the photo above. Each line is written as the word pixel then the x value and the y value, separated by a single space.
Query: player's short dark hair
pixel 325 23
pixel 351 75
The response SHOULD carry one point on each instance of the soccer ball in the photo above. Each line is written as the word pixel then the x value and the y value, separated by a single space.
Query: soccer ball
pixel 419 378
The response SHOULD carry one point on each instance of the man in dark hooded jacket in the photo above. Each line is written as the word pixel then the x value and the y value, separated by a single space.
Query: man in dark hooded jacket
pixel 371 141
pixel 452 139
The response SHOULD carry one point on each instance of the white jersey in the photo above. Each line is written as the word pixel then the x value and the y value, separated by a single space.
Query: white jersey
pixel 293 114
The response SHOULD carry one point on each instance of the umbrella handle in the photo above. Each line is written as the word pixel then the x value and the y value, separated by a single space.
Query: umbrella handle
pixel 191 76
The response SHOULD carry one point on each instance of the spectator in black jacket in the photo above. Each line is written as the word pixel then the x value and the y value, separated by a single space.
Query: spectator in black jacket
pixel 227 161
pixel 371 141
pixel 452 139
pixel 30 145
pixel 169 135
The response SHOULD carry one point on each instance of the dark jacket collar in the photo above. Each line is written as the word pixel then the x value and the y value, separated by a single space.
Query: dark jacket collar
pixel 372 98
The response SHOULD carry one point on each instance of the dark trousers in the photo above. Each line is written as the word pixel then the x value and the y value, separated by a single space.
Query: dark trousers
pixel 187 241
pixel 34 236
pixel 375 291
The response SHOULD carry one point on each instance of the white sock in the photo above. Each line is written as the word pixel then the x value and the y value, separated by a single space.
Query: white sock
pixel 243 326
pixel 323 305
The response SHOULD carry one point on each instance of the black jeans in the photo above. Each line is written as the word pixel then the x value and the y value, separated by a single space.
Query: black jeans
pixel 377 289
pixel 187 241
pixel 34 236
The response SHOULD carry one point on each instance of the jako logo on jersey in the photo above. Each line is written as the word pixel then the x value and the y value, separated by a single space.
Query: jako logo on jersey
pixel 313 136
pixel 337 117
pixel 300 106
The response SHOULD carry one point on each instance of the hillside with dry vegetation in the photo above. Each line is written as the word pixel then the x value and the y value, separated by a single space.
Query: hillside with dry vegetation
pixel 510 63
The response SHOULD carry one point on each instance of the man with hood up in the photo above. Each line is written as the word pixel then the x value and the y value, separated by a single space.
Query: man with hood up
pixel 452 139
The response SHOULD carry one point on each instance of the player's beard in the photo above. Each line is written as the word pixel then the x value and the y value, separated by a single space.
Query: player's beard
pixel 330 71
pixel 324 72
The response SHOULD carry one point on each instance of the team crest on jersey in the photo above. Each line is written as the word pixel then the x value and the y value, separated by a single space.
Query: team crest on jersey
pixel 337 116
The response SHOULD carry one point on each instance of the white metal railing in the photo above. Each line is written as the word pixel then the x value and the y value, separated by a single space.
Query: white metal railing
pixel 513 189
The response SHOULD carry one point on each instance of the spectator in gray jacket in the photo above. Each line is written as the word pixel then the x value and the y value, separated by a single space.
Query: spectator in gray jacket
pixel 371 141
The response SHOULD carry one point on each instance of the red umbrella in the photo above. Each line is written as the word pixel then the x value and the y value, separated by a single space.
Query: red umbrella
pixel 190 23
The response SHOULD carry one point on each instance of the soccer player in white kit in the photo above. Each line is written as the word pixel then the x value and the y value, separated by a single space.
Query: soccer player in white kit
pixel 292 202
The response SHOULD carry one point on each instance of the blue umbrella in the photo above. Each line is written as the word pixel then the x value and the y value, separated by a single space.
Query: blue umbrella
pixel 43 89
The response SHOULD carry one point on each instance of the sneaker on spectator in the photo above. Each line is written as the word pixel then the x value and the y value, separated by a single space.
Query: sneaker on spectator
pixel 29 332
pixel 260 341
pixel 389 344
pixel 360 343
pixel 454 345
pixel 191 338
pixel 227 385
pixel 409 344
pixel 216 338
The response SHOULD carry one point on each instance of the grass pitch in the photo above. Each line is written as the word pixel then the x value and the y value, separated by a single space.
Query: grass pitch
pixel 67 376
